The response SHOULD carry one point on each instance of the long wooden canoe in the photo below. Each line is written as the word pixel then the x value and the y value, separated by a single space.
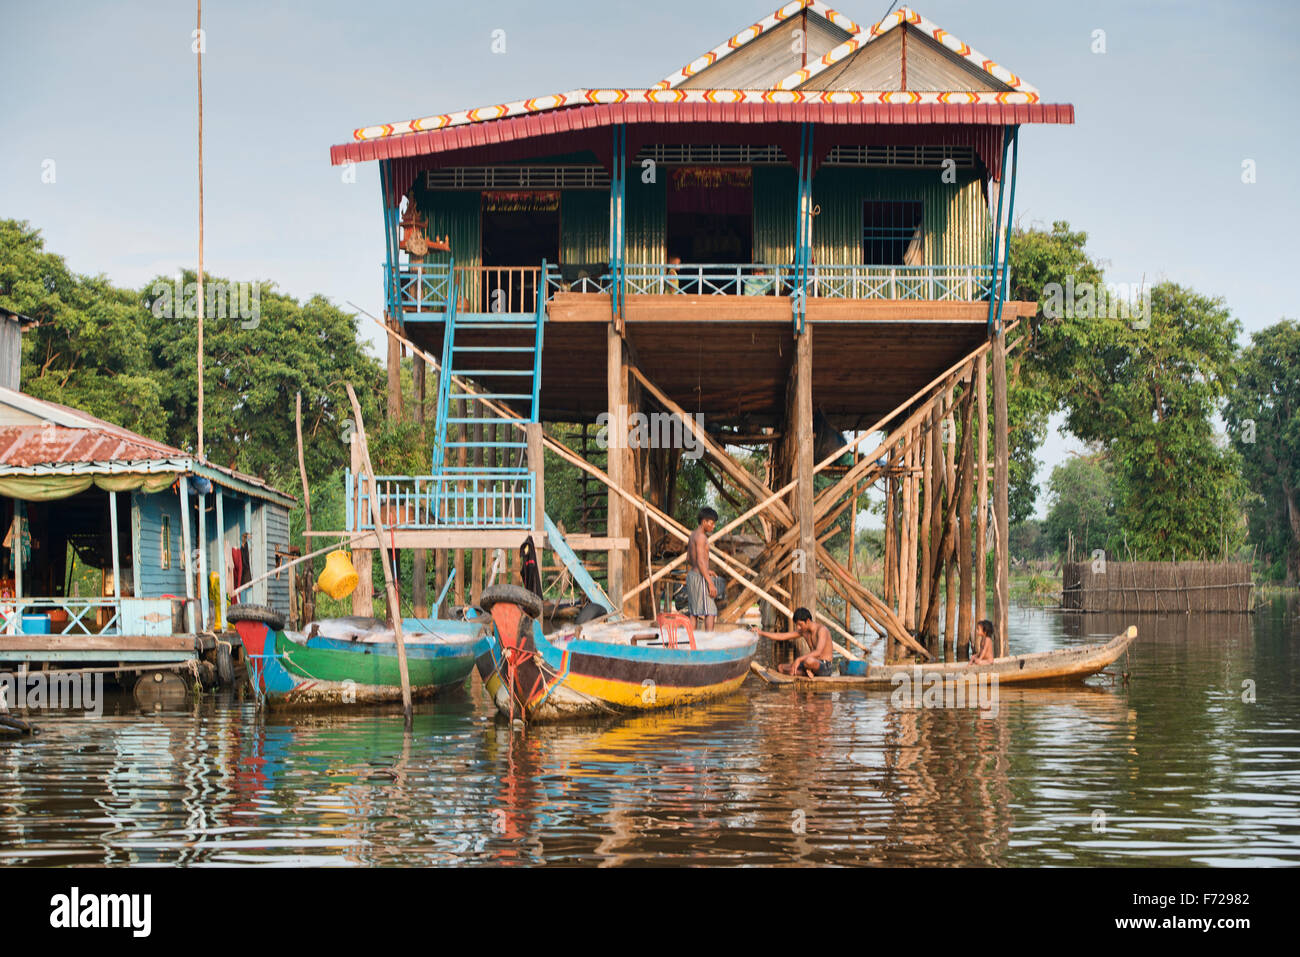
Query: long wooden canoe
pixel 1044 667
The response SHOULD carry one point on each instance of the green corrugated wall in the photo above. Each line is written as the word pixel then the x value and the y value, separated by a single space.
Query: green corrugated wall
pixel 455 214
pixel 647 217
pixel 584 226
pixel 955 215
pixel 775 207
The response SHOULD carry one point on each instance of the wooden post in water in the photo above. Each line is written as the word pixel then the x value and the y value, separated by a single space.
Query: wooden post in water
pixel 617 463
pixel 390 587
pixel 950 553
pixel 363 596
pixel 982 502
pixel 308 596
pixel 1002 562
pixel 805 592
pixel 964 544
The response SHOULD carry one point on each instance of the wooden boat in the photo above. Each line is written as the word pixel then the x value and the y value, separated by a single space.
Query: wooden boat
pixel 603 667
pixel 1044 667
pixel 343 661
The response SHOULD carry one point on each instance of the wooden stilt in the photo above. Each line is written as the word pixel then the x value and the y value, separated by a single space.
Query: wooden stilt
pixel 1001 457
pixel 394 375
pixel 927 510
pixel 950 554
pixel 982 501
pixel 390 587
pixel 363 594
pixel 964 491
pixel 805 590
pixel 616 458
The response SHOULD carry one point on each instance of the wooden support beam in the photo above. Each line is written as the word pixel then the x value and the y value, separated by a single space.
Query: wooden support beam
pixel 946 528
pixel 802 424
pixel 964 545
pixel 929 511
pixel 376 517
pixel 363 594
pixel 394 375
pixel 982 501
pixel 617 460
pixel 734 470
pixel 877 608
pixel 1001 460
pixel 950 554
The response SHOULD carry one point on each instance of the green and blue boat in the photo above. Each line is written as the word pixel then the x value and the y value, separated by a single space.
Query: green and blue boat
pixel 342 661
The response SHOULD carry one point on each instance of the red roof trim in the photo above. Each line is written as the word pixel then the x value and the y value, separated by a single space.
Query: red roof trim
pixel 604 115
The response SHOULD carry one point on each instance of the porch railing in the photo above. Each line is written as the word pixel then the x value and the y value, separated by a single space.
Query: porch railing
pixel 75 612
pixel 426 287
pixel 937 283
pixel 710 279
pixel 475 498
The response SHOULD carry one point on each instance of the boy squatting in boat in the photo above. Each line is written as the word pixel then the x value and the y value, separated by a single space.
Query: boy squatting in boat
pixel 815 664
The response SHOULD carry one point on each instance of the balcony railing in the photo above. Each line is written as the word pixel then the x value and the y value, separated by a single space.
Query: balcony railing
pixel 937 283
pixel 511 289
pixel 475 498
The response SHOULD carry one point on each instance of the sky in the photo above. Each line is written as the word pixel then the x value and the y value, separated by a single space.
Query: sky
pixel 100 98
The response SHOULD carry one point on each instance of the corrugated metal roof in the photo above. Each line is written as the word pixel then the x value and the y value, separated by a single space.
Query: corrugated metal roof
pixel 69 438
pixel 579 118
pixel 50 444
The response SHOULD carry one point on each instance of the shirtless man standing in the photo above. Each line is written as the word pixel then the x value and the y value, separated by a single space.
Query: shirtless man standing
pixel 701 592
pixel 815 664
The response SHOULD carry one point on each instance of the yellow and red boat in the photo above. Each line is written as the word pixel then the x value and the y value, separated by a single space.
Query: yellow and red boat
pixel 603 667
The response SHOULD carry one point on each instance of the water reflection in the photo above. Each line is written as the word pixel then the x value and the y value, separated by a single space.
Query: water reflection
pixel 1190 759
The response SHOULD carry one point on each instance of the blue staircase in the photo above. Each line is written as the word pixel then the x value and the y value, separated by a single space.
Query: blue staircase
pixel 500 351
pixel 515 335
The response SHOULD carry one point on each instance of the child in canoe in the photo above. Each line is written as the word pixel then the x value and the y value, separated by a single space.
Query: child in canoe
pixel 983 643
pixel 815 664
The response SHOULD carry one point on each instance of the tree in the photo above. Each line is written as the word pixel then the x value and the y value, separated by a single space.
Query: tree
pixel 1081 508
pixel 1263 419
pixel 1146 392
pixel 89 349
pixel 1037 380
pixel 252 370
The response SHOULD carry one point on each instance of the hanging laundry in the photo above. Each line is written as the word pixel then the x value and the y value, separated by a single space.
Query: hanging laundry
pixel 24 535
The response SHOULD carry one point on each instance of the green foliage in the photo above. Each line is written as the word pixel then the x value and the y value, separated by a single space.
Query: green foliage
pixel 90 349
pixel 1081 507
pixel 1263 418
pixel 251 374
pixel 1145 392
pixel 1148 396
pixel 1036 383
pixel 1027 540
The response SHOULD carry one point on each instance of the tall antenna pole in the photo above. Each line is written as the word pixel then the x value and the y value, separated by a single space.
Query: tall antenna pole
pixel 199 50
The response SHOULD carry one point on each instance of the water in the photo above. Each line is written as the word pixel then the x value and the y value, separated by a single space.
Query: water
pixel 1172 768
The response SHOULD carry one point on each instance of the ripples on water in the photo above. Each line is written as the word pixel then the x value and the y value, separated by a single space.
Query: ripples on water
pixel 1173 768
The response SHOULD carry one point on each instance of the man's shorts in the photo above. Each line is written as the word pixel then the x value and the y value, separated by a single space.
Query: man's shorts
pixel 698 601
pixel 824 670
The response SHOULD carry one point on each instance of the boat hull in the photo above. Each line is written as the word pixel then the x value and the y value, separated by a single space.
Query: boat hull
pixel 324 671
pixel 1042 668
pixel 557 678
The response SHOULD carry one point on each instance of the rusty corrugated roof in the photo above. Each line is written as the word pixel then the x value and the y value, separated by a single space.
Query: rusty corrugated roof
pixel 70 437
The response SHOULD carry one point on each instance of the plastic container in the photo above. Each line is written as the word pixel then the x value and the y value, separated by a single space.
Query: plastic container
pixel 855 668
pixel 36 624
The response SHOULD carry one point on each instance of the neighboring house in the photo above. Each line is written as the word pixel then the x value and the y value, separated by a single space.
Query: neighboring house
pixel 12 327
pixel 92 507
